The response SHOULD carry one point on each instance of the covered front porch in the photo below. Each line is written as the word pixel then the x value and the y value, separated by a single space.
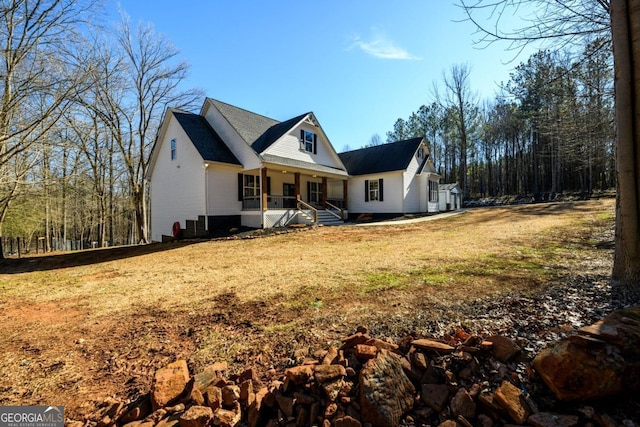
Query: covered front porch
pixel 281 195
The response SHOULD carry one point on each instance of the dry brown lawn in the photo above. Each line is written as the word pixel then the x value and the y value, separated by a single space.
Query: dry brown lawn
pixel 80 327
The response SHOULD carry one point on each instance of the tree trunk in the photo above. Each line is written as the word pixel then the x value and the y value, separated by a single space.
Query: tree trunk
pixel 625 25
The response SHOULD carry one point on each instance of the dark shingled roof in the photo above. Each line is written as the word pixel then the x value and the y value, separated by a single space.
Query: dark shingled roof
pixel 274 133
pixel 380 158
pixel 250 126
pixel 205 139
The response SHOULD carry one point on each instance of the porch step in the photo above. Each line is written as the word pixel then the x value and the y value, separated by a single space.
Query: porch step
pixel 326 218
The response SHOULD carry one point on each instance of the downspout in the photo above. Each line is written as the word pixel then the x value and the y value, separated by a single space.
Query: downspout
pixel 261 199
pixel 206 197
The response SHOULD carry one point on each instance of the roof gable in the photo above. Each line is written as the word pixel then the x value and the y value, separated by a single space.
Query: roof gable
pixel 275 132
pixel 205 139
pixel 390 157
pixel 250 126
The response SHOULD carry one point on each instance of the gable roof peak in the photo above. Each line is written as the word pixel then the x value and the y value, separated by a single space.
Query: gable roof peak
pixel 393 156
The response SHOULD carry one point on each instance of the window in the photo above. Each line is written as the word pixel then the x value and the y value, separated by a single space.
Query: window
pixel 174 153
pixel 373 190
pixel 251 186
pixel 308 141
pixel 420 153
pixel 433 191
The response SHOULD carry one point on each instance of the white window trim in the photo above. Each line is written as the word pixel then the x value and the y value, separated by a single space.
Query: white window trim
pixel 374 191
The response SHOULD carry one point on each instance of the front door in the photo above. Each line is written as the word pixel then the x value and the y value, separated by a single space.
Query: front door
pixel 315 193
pixel 289 193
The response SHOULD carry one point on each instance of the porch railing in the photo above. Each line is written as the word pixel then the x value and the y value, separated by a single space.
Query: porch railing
pixel 337 203
pixel 252 203
pixel 335 211
pixel 307 206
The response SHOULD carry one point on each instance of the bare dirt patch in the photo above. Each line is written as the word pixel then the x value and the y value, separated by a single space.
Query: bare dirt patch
pixel 80 327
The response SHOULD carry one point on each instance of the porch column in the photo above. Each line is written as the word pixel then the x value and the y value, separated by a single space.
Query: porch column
pixel 297 184
pixel 345 194
pixel 324 192
pixel 263 184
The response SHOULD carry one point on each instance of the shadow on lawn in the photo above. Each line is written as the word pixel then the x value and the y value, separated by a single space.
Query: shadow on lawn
pixel 88 257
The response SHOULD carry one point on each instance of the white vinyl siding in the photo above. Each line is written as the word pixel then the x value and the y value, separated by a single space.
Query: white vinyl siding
pixel 177 186
pixel 222 184
pixel 412 187
pixel 392 202
pixel 289 146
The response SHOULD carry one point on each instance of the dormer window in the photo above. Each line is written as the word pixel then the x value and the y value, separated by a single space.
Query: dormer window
pixel 420 153
pixel 308 141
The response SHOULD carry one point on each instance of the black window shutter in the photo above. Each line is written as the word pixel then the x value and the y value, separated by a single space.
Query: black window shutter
pixel 366 190
pixel 302 141
pixel 269 185
pixel 240 187
pixel 315 144
pixel 308 191
pixel 381 189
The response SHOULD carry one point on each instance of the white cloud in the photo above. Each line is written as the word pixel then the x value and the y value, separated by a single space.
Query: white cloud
pixel 380 46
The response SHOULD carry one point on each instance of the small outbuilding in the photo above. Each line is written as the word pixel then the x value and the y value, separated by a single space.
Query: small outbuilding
pixel 450 197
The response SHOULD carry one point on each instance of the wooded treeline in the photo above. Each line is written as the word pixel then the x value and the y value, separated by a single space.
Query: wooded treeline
pixel 551 128
pixel 80 107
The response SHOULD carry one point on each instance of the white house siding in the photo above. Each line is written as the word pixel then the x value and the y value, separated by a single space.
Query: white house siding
pixel 177 186
pixel 289 146
pixel 392 194
pixel 222 186
pixel 412 187
pixel 230 136
pixel 412 192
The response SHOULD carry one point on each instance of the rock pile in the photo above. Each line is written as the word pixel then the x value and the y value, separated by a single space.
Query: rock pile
pixel 460 380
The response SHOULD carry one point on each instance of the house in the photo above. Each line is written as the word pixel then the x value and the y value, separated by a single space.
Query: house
pixel 450 197
pixel 391 179
pixel 227 167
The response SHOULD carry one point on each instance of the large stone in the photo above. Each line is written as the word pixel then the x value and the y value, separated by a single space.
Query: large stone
pixel 463 405
pixel 435 396
pixel 605 363
pixel 230 394
pixel 299 374
pixel 226 418
pixel 503 348
pixel 169 383
pixel 196 416
pixel 213 397
pixel 385 391
pixel 212 374
pixel 510 398
pixel 432 345
pixel 324 373
pixel 547 419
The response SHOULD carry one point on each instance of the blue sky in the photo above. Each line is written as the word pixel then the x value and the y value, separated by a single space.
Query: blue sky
pixel 358 65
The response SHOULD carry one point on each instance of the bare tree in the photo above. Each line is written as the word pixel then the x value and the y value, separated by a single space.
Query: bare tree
pixel 153 77
pixel 375 139
pixel 36 81
pixel 464 105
